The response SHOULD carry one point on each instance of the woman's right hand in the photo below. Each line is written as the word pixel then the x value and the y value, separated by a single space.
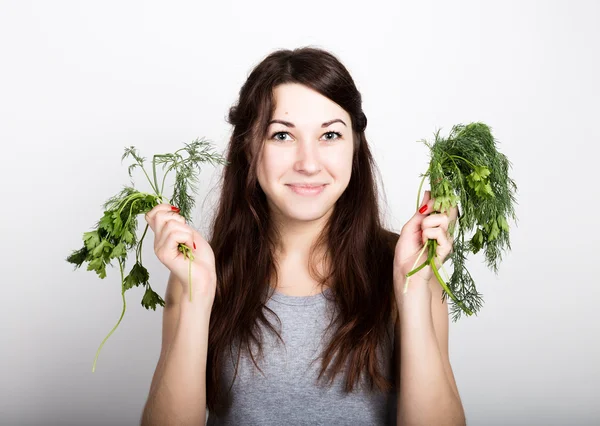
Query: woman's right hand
pixel 170 229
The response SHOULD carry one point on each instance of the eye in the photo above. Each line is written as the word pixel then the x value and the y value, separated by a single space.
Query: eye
pixel 332 135
pixel 277 135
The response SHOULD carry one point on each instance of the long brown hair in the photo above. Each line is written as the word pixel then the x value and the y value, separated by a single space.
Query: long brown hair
pixel 359 249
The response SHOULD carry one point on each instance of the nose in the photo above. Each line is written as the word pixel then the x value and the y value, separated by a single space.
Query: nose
pixel 307 158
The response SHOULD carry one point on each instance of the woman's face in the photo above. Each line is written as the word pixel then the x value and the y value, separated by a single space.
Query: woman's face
pixel 306 159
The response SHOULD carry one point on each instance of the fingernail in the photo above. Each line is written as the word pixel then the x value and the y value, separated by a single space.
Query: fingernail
pixel 422 209
pixel 194 245
pixel 175 209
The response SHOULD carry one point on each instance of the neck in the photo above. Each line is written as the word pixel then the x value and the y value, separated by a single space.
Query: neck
pixel 297 237
pixel 293 257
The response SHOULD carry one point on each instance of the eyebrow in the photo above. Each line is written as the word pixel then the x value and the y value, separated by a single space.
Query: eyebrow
pixel 289 124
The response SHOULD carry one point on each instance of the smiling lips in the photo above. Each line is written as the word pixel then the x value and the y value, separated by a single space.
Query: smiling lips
pixel 307 189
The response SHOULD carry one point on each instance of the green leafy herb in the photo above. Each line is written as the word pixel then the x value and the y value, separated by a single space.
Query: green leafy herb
pixel 115 233
pixel 467 170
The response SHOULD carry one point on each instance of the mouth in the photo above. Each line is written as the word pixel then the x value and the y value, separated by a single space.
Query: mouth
pixel 302 189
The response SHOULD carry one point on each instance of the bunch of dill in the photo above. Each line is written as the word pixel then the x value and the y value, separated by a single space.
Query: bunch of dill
pixel 467 170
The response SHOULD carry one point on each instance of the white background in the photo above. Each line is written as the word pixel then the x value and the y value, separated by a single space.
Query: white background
pixel 80 80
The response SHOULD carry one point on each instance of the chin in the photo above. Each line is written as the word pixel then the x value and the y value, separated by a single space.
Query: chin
pixel 305 213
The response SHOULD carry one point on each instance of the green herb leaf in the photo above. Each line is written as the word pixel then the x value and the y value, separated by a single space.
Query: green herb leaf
pixel 151 299
pixel 477 241
pixel 119 251
pixel 91 240
pixel 138 276
pixel 502 223
pixel 77 257
pixel 97 265
pixel 494 231
pixel 102 249
pixel 116 231
pixel 466 168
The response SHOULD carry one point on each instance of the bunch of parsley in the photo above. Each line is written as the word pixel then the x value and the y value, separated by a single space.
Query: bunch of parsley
pixel 115 234
pixel 467 170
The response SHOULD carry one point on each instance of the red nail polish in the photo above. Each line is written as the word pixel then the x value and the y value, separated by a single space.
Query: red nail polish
pixel 422 209
pixel 175 209
pixel 194 245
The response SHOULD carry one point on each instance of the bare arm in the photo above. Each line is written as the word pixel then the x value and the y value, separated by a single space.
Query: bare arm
pixel 427 393
pixel 178 391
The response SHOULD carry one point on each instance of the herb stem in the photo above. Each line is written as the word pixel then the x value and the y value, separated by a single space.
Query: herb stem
pixel 416 261
pixel 138 254
pixel 165 175
pixel 420 187
pixel 126 200
pixel 445 273
pixel 122 314
pixel 154 175
pixel 190 277
pixel 150 181
pixel 130 217
pixel 445 287
pixel 462 158
pixel 414 271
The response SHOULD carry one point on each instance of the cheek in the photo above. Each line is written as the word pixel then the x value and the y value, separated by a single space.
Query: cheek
pixel 341 164
pixel 271 165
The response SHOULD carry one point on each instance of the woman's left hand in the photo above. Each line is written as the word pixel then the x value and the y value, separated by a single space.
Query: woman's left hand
pixel 414 235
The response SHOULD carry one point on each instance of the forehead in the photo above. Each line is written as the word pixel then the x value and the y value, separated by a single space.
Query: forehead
pixel 302 105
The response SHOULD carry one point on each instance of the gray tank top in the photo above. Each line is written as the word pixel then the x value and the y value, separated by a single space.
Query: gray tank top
pixel 288 392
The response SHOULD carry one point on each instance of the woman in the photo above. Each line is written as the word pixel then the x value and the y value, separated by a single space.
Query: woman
pixel 298 313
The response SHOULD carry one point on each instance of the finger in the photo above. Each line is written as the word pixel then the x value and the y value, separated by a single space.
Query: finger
pixel 453 214
pixel 171 227
pixel 438 234
pixel 442 254
pixel 163 217
pixel 413 226
pixel 151 215
pixel 426 201
pixel 436 220
pixel 169 249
